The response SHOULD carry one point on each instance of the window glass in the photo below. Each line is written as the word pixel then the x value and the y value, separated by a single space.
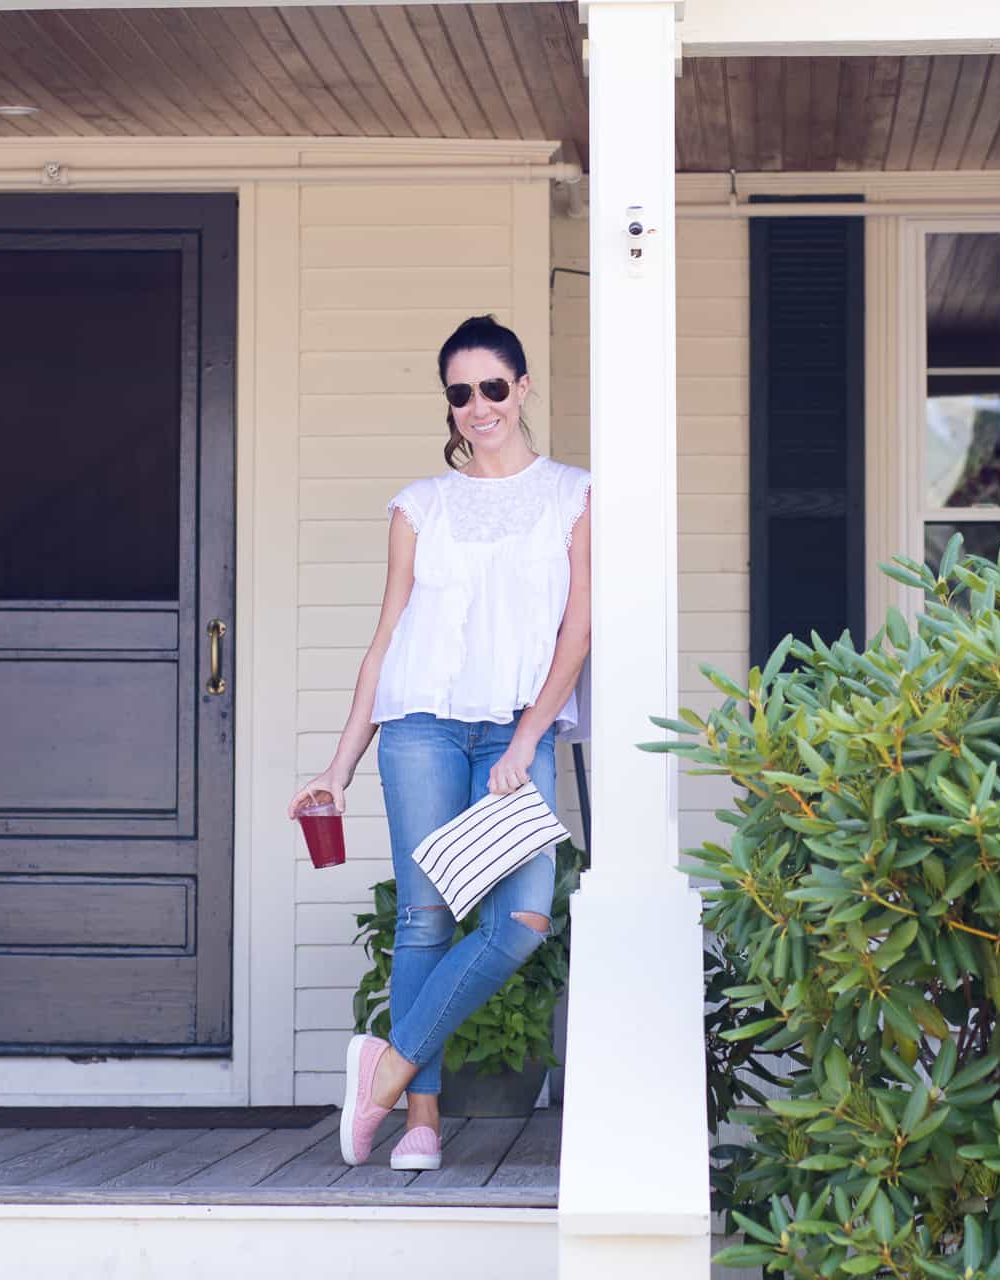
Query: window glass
pixel 90 365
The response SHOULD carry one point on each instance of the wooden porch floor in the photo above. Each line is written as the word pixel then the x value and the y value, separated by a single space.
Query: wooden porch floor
pixel 486 1164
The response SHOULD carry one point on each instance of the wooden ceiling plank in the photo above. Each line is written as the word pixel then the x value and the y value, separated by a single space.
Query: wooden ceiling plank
pixel 824 92
pixel 130 69
pixel 251 29
pixel 340 36
pixel 221 33
pixel 19 87
pixel 796 99
pixel 968 93
pixel 741 109
pixel 563 52
pixel 404 41
pixel 229 98
pixel 48 65
pixel 852 112
pixel 22 126
pixel 153 62
pixel 310 38
pixel 478 68
pixel 710 88
pixel 121 90
pixel 510 34
pixel 983 128
pixel 880 110
pixel 942 84
pixel 297 67
pixel 440 53
pixel 394 74
pixel 769 93
pixel 690 154
pixel 909 107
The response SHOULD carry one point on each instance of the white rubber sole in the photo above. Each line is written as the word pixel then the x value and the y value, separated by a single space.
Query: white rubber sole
pixel 350 1099
pixel 415 1162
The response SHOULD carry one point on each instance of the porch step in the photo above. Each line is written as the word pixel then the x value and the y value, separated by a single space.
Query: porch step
pixel 260 1242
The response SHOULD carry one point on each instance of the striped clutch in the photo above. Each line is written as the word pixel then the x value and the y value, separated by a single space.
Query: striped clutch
pixel 467 856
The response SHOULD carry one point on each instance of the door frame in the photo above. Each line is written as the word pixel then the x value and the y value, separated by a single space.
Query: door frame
pixel 261 1070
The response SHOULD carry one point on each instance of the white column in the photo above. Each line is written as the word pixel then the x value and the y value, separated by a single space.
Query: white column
pixel 634 1179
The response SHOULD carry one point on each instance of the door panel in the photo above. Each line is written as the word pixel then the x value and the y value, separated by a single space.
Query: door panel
pixel 116 551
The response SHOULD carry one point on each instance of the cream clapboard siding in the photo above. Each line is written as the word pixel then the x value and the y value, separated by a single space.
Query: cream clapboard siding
pixel 713 425
pixel 386 274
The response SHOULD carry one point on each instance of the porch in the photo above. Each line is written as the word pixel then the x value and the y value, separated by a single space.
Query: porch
pixel 201 1156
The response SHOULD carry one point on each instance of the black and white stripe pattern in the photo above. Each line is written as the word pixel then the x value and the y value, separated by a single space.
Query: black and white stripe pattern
pixel 467 856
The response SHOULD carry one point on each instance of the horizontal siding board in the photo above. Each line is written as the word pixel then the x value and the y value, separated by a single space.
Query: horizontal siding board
pixel 329 668
pixel 727 593
pixel 341 583
pixel 342 626
pixel 351 882
pixel 476 289
pixel 707 355
pixel 374 373
pixel 352 499
pixel 719 395
pixel 475 246
pixel 333 967
pixel 361 541
pixel 732 662
pixel 724 632
pixel 318 1009
pixel 720 436
pixel 713 316
pixel 391 329
pixel 331 457
pixel 320 1049
pixel 725 513
pixel 456 205
pixel 363 414
pixel 698 473
pixel 713 553
pixel 325 924
pixel 704 238
pixel 711 278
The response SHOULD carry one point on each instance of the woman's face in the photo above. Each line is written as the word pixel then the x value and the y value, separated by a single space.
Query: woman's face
pixel 488 425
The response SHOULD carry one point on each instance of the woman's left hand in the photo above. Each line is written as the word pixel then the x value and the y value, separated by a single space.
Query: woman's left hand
pixel 511 770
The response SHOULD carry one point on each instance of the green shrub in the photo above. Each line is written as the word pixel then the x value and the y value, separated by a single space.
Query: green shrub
pixel 861 892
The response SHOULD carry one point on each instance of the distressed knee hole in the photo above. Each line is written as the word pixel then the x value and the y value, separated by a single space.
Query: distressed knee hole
pixel 533 920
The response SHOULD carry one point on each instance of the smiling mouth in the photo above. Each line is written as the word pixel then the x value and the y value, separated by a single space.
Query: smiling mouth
pixel 486 426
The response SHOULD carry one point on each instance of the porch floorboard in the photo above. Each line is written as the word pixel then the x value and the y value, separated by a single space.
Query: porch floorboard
pixel 487 1164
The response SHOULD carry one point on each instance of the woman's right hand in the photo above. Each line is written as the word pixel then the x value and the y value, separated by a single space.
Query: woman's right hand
pixel 327 787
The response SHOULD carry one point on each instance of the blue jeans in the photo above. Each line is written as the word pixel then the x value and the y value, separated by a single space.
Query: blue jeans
pixel 431 770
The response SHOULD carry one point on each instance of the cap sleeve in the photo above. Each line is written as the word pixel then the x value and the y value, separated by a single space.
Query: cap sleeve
pixel 414 502
pixel 574 493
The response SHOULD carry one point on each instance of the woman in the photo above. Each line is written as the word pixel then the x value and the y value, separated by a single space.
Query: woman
pixel 484 628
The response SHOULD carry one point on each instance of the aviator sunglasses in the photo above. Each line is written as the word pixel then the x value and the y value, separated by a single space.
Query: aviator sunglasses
pixel 458 394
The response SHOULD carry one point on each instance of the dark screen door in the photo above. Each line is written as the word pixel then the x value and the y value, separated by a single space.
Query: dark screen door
pixel 117 328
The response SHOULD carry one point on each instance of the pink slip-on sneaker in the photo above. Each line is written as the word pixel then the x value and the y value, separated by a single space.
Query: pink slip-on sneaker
pixel 418 1148
pixel 361 1116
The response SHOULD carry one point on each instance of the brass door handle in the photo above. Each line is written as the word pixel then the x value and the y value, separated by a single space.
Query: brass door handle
pixel 216 630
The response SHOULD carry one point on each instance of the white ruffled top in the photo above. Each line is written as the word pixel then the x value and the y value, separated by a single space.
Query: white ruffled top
pixel 491 581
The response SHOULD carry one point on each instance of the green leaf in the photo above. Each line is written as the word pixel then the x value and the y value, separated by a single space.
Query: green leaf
pixel 972 1249
pixel 755 1229
pixel 915 1109
pixel 882 1218
pixel 862 1264
pixel 722 682
pixel 796 1108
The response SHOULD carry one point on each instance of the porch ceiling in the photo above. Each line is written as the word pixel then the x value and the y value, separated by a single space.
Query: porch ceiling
pixel 473 71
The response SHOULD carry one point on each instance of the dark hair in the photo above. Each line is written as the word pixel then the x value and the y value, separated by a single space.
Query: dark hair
pixel 478 332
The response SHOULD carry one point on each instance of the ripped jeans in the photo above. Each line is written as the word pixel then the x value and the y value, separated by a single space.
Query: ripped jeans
pixel 431 770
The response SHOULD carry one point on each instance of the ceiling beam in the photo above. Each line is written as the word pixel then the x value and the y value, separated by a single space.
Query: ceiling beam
pixel 851 28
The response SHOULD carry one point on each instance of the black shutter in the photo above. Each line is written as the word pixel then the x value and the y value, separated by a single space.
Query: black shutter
pixel 806 429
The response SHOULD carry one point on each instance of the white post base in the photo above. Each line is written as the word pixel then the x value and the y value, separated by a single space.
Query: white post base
pixel 638 1257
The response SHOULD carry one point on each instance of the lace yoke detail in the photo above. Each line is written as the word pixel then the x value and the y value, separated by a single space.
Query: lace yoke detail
pixel 490 510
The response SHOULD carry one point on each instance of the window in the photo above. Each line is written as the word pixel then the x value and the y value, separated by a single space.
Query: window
pixel 960 486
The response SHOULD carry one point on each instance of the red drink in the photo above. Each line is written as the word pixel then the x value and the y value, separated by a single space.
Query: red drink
pixel 323 829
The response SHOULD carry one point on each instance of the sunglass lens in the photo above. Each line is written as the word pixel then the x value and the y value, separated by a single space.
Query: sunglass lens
pixel 458 394
pixel 495 389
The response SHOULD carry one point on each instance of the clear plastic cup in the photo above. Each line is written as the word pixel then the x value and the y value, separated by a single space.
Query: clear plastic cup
pixel 323 829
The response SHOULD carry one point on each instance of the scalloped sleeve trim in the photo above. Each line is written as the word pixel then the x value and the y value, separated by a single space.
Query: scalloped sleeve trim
pixel 578 505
